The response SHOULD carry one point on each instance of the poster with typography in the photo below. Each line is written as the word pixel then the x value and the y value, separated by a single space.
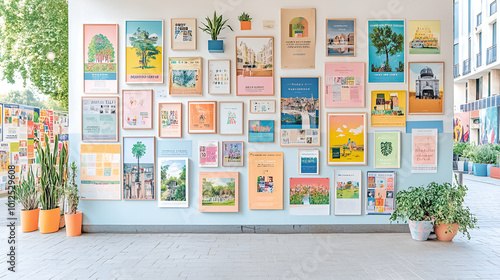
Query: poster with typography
pixel 170 120
pixel 185 75
pixel 218 191
pixel 344 84
pixel 173 186
pixel 308 162
pixel 347 139
pixel 100 53
pixel 100 119
pixel 461 127
pixel 298 38
pixel 265 180
pixel 24 119
pixel 219 76
pixel 488 121
pixel 341 37
pixel 4 165
pixel 208 153
pixel 348 187
pixel 309 196
pixel 183 33
pixel 380 192
pixel 424 151
pixel 144 51
pixel 139 167
pixel 137 109
pixel 424 36
pixel 11 115
pixel 387 149
pixel 388 108
pixel 300 111
pixel 426 88
pixel 50 117
pixel 386 51
pixel 100 177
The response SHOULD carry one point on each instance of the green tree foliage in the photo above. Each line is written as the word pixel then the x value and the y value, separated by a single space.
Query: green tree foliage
pixel 386 42
pixel 138 150
pixel 144 45
pixel 31 30
pixel 101 50
pixel 28 98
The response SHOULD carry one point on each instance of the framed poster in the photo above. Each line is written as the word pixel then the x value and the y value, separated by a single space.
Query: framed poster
pixel 208 153
pixel 308 162
pixel 261 131
pixel 144 53
pixel 137 109
pixel 265 180
pixel 99 119
pixel 231 117
pixel 219 76
pixel 426 88
pixel 386 51
pixel 183 33
pixel 424 150
pixel 170 120
pixel 173 186
pixel 139 155
pixel 255 73
pixel 388 108
pixel 233 154
pixel 100 176
pixel 344 84
pixel 218 191
pixel 100 54
pixel 387 149
pixel 300 111
pixel 380 192
pixel 262 106
pixel 346 139
pixel 341 37
pixel 309 196
pixel 202 117
pixel 425 36
pixel 348 185
pixel 298 38
pixel 488 122
pixel 185 75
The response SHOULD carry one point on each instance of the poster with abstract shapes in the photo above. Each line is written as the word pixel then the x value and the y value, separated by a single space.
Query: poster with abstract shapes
pixel 309 196
pixel 388 108
pixel 173 187
pixel 488 121
pixel 185 75
pixel 426 88
pixel 346 139
pixel 255 65
pixel 348 187
pixel 380 192
pixel 461 127
pixel 139 166
pixel 340 37
pixel 137 109
pixel 298 38
pixel 387 149
pixel 100 177
pixel 218 191
pixel 425 36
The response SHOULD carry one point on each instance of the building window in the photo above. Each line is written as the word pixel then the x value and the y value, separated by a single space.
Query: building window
pixel 466 93
pixel 456 23
pixel 489 84
pixel 494 35
pixel 479 88
pixel 493 7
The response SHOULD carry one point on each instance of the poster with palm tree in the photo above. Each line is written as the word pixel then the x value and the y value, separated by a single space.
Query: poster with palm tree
pixel 138 168
pixel 173 188
pixel 218 191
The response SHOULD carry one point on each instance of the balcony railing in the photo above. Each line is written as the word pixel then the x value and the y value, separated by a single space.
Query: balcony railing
pixel 456 70
pixel 466 66
pixel 479 19
pixel 493 7
pixel 479 60
pixel 491 54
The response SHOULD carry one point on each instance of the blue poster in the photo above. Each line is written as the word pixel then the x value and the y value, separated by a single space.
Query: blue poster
pixel 308 165
pixel 489 125
pixel 261 131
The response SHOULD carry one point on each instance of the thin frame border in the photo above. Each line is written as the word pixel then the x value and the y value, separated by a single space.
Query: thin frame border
pixel 299 161
pixel 215 117
pixel 355 37
pixel 195 35
pixel 375 145
pixel 123 108
pixel 200 58
pixel 117 138
pixel 154 166
pixel 159 119
pixel 242 153
pixel 274 132
pixel 242 117
pixel 208 75
pixel 267 100
pixel 408 92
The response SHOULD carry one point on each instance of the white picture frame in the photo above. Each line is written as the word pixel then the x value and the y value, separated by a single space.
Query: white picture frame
pixel 306 167
pixel 219 76
pixel 231 118
pixel 174 169
pixel 347 205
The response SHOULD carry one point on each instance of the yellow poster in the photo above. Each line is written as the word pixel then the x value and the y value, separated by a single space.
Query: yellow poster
pixel 388 108
pixel 100 171
pixel 265 180
pixel 347 139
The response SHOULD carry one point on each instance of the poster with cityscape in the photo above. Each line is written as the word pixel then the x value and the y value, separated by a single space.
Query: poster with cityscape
pixel 183 33
pixel 346 139
pixel 298 38
pixel 173 186
pixel 380 192
pixel 99 119
pixel 388 108
pixel 426 88
pixel 137 109
pixel 341 37
pixel 300 111
pixel 309 196
pixel 170 120
pixel 100 172
pixel 218 191
pixel 348 187
pixel 344 84
pixel 231 118
pixel 233 154
pixel 425 36
pixel 261 131
pixel 139 165
pixel 265 180
pixel 387 149
pixel 185 75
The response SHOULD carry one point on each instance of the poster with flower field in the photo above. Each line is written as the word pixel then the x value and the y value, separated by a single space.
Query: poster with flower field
pixel 309 196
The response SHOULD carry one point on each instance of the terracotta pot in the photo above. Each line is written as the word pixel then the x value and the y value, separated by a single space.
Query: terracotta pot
pixel 245 25
pixel 29 220
pixel 443 235
pixel 73 223
pixel 61 222
pixel 49 220
pixel 420 230
pixel 495 172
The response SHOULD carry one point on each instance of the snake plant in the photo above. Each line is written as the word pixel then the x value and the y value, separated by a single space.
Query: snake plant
pixel 215 26
pixel 26 193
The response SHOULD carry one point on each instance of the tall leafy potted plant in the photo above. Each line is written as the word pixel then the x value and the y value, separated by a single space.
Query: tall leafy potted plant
pixel 482 156
pixel 214 27
pixel 458 150
pixel 73 217
pixel 27 195
pixel 245 21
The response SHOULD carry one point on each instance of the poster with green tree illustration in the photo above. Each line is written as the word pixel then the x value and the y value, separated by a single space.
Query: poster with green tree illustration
pixel 387 149
pixel 139 168
pixel 173 188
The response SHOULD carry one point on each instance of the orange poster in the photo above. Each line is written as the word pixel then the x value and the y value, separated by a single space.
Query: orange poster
pixel 202 116
pixel 265 180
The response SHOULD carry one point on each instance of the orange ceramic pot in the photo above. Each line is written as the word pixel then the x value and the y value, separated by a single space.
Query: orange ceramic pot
pixel 245 25
pixel 442 234
pixel 73 223
pixel 29 220
pixel 49 220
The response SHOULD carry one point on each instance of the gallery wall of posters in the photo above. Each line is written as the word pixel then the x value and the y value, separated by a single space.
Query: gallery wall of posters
pixel 426 88
pixel 100 53
pixel 424 151
pixel 308 162
pixel 461 127
pixel 388 108
pixel 265 180
pixel 341 37
pixel 170 120
pixel 346 139
pixel 100 176
pixel 173 186
pixel 144 53
pixel 344 84
pixel 298 38
pixel 380 192
pixel 4 165
pixel 137 109
pixel 218 191
pixel 219 76
pixel 202 116
pixel 183 33
pixel 139 162
pixel 231 118
pixel 348 187
pixel 208 153
pixel 185 75
pixel 488 121
pixel 387 149
pixel 309 196
pixel 424 36
pixel 300 111
pixel 99 119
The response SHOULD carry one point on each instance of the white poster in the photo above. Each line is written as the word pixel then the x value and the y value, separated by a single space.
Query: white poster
pixel 348 186
pixel 424 150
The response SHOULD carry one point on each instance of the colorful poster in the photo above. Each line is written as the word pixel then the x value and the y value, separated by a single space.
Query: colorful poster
pixel 208 152
pixel 488 121
pixel 380 192
pixel 231 117
pixel 14 158
pixel 99 119
pixel 341 37
pixel 425 36
pixel 139 160
pixel 232 154
pixel 261 131
pixel 173 184
pixel 219 76
pixel 255 65
pixel 344 84
pixel 137 109
pixel 43 126
pixel 426 88
pixel 4 165
pixel 346 139
pixel 309 196
pixel 308 162
pixel 386 51
pixel 262 106
pixel 202 116
pixel 183 33
pixel 348 186
pixel 265 180
pixel 298 38
pixel 11 116
pixel 100 171
pixel 186 75
pixel 461 127
pixel 218 191
pixel 170 124
pixel 177 148
pixel 424 151
pixel 300 111
pixel 100 42
pixel 387 149
pixel 144 53
pixel 388 108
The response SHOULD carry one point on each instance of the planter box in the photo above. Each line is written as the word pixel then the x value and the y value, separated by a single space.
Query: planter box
pixel 215 46
pixel 488 168
pixel 495 172
pixel 245 25
pixel 480 169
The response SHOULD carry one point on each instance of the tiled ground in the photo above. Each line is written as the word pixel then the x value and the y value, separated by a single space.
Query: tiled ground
pixel 267 256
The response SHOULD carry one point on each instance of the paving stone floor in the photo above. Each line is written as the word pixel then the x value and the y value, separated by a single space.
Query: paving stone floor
pixel 266 256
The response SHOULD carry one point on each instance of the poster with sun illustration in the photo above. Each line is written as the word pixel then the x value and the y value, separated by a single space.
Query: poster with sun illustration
pixel 347 139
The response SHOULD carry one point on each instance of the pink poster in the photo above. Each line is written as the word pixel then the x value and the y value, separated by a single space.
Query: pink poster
pixel 208 153
pixel 137 109
pixel 345 85
pixel 424 151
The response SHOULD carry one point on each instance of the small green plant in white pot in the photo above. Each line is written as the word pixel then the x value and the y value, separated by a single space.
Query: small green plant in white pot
pixel 213 27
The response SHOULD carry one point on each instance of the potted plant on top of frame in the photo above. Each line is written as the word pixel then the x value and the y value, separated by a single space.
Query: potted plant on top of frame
pixel 26 194
pixel 73 217
pixel 245 21
pixel 214 27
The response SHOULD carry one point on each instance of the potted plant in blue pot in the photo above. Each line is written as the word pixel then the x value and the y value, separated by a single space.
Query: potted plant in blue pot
pixel 482 156
pixel 214 27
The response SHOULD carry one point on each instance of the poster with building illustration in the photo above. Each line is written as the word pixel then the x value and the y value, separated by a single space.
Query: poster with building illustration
pixel 233 154
pixel 208 153
pixel 265 180
pixel 170 120
pixel 202 116
pixel 387 149
pixel 426 88
pixel 348 188
pixel 183 33
pixel 300 111
pixel 424 151
pixel 298 38
pixel 386 51
pixel 139 168
pixel 309 196
pixel 424 36
pixel 100 177
pixel 346 139
pixel 341 37
pixel 137 109
pixel 344 84
pixel 185 76
pixel 488 121
pixel 255 65
pixel 461 127
pixel 173 186
pixel 388 108
pixel 100 55
pixel 218 191
pixel 380 192
pixel 99 119
pixel 144 53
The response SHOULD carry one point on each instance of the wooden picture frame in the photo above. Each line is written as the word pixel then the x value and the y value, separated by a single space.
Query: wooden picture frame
pixel 105 105
pixel 202 114
pixel 253 136
pixel 175 30
pixel 255 103
pixel 426 106
pixel 129 118
pixel 346 25
pixel 168 121
pixel 128 180
pixel 225 204
pixel 241 152
pixel 219 80
pixel 346 127
pixel 225 117
pixel 185 71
